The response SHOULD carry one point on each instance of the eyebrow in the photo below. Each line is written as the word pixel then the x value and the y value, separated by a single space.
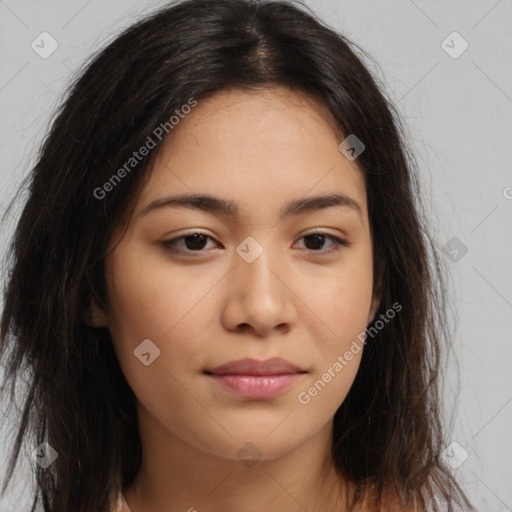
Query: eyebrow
pixel 211 204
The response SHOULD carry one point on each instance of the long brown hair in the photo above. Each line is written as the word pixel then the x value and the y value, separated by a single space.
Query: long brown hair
pixel 387 432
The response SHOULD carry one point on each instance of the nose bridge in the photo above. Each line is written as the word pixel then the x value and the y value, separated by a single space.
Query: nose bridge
pixel 257 268
pixel 258 293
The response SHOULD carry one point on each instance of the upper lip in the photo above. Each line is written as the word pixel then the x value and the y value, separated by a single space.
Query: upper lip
pixel 273 366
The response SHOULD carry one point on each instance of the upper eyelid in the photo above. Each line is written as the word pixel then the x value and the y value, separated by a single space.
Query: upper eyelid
pixel 330 236
pixel 198 232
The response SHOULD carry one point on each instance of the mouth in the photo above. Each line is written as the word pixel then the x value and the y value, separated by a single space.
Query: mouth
pixel 255 379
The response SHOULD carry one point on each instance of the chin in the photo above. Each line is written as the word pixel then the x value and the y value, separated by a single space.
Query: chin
pixel 253 446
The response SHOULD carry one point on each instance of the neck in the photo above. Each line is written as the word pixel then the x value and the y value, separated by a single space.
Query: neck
pixel 177 476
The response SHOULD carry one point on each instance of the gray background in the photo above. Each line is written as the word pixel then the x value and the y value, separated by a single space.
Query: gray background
pixel 457 112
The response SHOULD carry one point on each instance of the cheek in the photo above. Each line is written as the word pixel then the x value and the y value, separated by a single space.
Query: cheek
pixel 343 307
pixel 151 330
pixel 342 300
pixel 151 300
pixel 327 389
pixel 349 313
pixel 143 295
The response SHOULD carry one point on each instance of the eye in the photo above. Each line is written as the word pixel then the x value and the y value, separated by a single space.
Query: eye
pixel 314 242
pixel 195 242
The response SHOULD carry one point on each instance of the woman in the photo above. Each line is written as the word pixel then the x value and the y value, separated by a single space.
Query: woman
pixel 220 283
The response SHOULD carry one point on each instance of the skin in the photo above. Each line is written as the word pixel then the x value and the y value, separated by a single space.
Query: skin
pixel 206 307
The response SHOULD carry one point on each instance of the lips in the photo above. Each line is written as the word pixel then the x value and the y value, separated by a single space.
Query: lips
pixel 273 366
pixel 255 379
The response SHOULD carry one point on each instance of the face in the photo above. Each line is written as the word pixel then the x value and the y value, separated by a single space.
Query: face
pixel 256 273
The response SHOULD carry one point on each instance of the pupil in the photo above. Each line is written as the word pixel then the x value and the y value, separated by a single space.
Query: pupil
pixel 316 237
pixel 198 241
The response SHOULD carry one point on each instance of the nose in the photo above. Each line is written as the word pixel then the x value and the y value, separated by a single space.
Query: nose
pixel 260 297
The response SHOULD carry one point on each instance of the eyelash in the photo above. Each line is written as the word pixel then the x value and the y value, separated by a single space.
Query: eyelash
pixel 170 244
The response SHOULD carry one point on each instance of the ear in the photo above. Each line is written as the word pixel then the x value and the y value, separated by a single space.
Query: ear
pixel 379 268
pixel 96 316
pixel 373 308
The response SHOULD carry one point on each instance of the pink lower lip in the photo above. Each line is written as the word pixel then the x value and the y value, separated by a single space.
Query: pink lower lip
pixel 257 386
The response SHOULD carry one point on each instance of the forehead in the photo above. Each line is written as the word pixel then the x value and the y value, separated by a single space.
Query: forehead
pixel 260 148
pixel 249 119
